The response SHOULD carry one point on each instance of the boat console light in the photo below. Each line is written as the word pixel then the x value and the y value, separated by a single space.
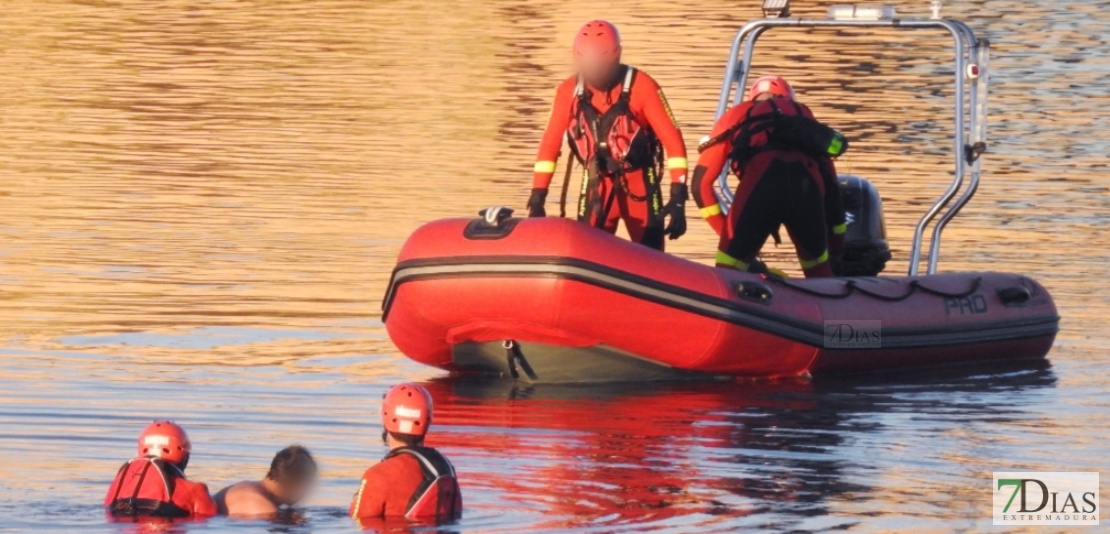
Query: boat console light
pixel 854 12
pixel 936 6
pixel 776 9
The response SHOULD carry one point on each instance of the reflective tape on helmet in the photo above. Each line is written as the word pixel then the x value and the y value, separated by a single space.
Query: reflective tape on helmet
pixel 724 259
pixel 840 229
pixel 677 163
pixel 544 166
pixel 710 211
pixel 809 264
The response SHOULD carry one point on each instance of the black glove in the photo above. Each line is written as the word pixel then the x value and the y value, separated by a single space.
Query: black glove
pixel 676 208
pixel 535 202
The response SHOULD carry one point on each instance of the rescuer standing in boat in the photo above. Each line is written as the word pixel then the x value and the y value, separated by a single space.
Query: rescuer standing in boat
pixel 784 159
pixel 618 124
pixel 153 483
pixel 412 481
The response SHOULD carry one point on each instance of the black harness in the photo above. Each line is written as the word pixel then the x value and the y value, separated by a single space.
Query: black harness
pixel 133 506
pixel 434 466
pixel 782 130
pixel 590 142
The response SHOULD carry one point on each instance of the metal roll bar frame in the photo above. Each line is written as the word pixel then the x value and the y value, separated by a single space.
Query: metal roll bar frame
pixel 970 111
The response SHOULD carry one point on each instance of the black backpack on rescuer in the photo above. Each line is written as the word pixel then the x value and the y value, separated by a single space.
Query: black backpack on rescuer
pixel 771 126
pixel 144 488
pixel 438 495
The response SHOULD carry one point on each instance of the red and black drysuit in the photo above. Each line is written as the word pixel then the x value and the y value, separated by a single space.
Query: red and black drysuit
pixel 147 487
pixel 618 136
pixel 412 482
pixel 782 182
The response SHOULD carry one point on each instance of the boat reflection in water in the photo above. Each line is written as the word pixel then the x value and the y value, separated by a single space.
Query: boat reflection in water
pixel 713 453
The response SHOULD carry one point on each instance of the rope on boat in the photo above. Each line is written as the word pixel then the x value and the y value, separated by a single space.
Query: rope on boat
pixel 851 287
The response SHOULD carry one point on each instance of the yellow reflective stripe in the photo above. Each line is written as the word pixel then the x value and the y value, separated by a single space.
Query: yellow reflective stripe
pixel 358 499
pixel 724 259
pixel 840 228
pixel 544 166
pixel 809 264
pixel 710 211
pixel 677 163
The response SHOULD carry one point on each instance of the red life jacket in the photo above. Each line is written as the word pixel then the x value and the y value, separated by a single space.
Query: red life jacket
pixel 782 124
pixel 438 496
pixel 613 141
pixel 144 488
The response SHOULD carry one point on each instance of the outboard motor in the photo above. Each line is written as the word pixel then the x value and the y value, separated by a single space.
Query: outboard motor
pixel 865 247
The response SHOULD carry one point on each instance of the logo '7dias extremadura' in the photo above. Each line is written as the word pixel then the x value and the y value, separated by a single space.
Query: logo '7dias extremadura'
pixel 1046 498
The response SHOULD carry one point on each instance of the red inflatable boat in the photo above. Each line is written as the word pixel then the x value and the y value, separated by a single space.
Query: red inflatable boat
pixel 553 300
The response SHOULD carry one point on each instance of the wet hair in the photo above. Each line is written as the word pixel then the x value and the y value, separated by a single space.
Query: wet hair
pixel 410 440
pixel 292 464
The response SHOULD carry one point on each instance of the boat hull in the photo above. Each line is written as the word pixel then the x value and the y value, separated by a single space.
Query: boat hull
pixel 575 304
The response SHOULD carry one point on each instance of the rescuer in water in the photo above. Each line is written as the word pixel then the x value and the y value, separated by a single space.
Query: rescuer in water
pixel 153 483
pixel 412 481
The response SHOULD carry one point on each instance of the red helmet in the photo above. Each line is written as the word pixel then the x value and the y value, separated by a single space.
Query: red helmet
pixel 407 409
pixel 776 86
pixel 165 440
pixel 597 42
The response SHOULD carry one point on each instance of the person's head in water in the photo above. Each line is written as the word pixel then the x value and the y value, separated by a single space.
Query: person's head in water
pixel 768 87
pixel 167 441
pixel 292 473
pixel 597 53
pixel 406 415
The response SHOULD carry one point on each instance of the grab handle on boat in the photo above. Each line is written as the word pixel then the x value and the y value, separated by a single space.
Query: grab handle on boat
pixel 754 291
pixel 496 215
pixel 1014 296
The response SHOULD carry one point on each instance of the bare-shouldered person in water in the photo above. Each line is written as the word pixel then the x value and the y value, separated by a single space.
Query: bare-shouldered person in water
pixel 291 475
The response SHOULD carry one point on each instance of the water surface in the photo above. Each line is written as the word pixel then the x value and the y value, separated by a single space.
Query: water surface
pixel 203 201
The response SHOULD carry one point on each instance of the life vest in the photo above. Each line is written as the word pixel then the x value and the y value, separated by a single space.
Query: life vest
pixel 438 496
pixel 144 488
pixel 782 124
pixel 612 142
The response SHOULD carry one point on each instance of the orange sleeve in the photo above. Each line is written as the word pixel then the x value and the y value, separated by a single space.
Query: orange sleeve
pixel 200 503
pixel 369 501
pixel 649 101
pixel 557 124
pixel 710 163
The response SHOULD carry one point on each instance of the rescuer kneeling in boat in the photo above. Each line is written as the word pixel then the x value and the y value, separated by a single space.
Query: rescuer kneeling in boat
pixel 617 123
pixel 412 481
pixel 153 483
pixel 292 473
pixel 783 157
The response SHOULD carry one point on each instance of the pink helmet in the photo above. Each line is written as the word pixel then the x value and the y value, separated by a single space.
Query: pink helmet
pixel 166 440
pixel 597 41
pixel 407 409
pixel 775 85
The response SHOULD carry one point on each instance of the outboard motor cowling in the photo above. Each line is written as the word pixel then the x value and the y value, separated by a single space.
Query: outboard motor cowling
pixel 866 250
